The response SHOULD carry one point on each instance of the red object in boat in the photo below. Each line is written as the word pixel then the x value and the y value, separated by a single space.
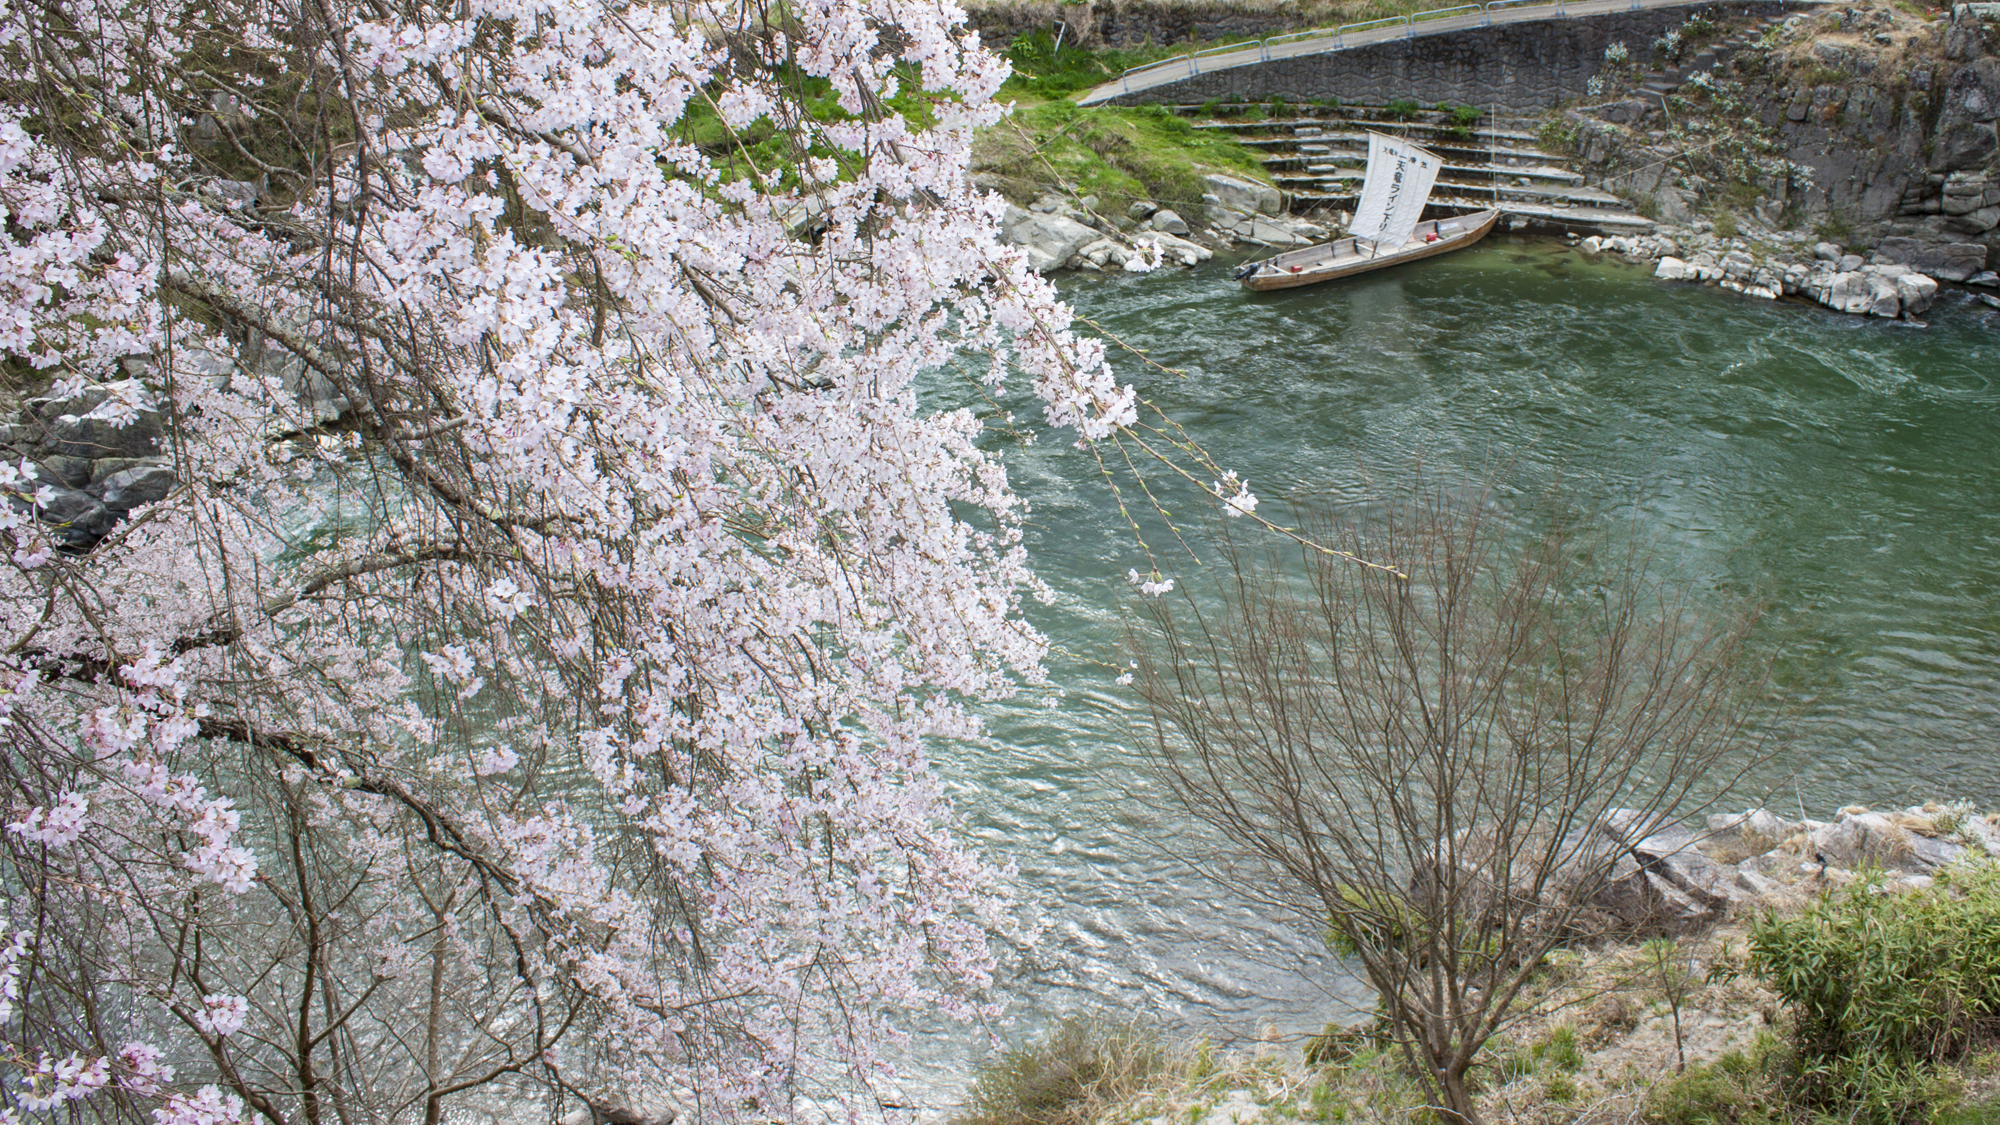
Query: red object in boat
pixel 1296 269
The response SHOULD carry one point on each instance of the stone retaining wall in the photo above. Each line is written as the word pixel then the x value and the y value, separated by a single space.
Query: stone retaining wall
pixel 1520 68
pixel 1136 23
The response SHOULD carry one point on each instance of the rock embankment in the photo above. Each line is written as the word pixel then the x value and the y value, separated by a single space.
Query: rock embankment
pixel 1066 232
pixel 1678 880
pixel 1876 123
pixel 81 464
pixel 1881 284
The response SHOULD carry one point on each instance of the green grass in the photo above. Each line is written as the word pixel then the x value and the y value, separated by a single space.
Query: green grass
pixel 1985 1113
pixel 1118 154
pixel 1042 72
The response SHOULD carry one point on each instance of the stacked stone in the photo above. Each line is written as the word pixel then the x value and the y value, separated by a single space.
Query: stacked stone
pixel 1063 233
pixel 1674 880
pixel 1834 278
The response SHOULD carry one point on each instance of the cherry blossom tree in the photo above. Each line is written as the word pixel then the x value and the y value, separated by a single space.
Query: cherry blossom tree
pixel 527 691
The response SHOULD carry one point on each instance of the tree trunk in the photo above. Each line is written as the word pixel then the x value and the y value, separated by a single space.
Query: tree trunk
pixel 1458 1100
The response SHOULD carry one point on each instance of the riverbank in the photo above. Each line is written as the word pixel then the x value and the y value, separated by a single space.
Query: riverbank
pixel 1866 127
pixel 1674 1024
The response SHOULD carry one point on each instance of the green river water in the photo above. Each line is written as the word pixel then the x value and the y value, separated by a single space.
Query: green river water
pixel 1839 470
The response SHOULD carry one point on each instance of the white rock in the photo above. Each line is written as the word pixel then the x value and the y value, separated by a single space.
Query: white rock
pixel 1176 251
pixel 1050 240
pixel 1849 292
pixel 1883 300
pixel 1917 292
pixel 1591 245
pixel 1244 195
pixel 1167 222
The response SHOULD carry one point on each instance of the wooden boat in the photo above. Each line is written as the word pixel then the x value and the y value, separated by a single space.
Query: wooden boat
pixel 1386 230
pixel 1350 256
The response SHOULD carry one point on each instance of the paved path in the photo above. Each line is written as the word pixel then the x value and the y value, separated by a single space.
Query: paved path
pixel 1441 22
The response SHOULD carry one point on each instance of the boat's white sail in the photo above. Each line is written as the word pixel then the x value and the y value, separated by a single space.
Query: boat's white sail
pixel 1399 180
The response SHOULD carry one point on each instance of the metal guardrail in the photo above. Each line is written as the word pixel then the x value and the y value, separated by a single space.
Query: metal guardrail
pixel 1339 34
pixel 1445 13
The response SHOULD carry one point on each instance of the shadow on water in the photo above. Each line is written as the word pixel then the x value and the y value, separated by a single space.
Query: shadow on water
pixel 1841 471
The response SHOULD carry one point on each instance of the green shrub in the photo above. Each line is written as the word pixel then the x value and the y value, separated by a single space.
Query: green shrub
pixel 1561 1050
pixel 1884 991
pixel 1558 135
pixel 1401 109
pixel 1458 120
pixel 1736 1089
pixel 1067 1076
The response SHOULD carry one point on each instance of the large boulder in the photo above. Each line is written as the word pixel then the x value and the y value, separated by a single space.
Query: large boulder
pixel 1050 240
pixel 1974 222
pixel 133 488
pixel 1271 234
pixel 76 519
pixel 1950 261
pixel 1244 195
pixel 90 438
pixel 1639 901
pixel 1917 292
pixel 1884 299
pixel 1871 839
pixel 1849 292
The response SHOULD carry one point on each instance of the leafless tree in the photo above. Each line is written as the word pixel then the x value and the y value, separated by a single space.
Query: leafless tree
pixel 1433 755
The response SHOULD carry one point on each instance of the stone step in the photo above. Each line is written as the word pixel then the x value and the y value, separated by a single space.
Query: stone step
pixel 1522 161
pixel 1359 141
pixel 1598 220
pixel 1481 133
pixel 1355 163
pixel 1348 185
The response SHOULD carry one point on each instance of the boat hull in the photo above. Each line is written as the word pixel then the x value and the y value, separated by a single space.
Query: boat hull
pixel 1330 261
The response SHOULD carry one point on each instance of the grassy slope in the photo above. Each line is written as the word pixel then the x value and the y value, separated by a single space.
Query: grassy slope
pixel 1116 153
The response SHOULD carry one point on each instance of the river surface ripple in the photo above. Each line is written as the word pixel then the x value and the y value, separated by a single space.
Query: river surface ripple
pixel 1839 470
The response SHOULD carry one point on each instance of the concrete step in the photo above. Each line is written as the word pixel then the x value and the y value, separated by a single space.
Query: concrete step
pixel 1348 184
pixel 1354 146
pixel 1482 133
pixel 1354 163
pixel 1585 220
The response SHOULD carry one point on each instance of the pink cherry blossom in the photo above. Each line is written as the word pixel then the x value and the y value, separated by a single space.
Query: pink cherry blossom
pixel 584 537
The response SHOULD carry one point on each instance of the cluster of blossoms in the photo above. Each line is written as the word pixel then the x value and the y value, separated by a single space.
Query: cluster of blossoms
pixel 579 691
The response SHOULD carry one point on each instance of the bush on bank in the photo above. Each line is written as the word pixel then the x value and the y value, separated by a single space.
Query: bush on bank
pixel 1889 1014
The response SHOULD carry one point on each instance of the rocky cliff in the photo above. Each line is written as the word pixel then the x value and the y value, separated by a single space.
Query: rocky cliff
pixel 1872 124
